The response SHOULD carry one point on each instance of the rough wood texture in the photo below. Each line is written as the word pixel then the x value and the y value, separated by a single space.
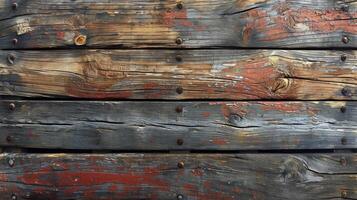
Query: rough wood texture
pixel 198 177
pixel 200 23
pixel 160 125
pixel 170 74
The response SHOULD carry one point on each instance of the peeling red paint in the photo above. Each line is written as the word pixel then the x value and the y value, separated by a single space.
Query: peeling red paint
pixel 219 141
pixel 172 18
pixel 206 114
pixel 282 107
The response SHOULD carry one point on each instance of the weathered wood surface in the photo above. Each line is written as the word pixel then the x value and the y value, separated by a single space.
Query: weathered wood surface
pixel 178 125
pixel 199 23
pixel 170 74
pixel 194 176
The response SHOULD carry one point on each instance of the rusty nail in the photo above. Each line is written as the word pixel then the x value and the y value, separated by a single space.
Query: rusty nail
pixel 343 141
pixel 179 41
pixel 179 142
pixel 12 106
pixel 343 58
pixel 80 40
pixel 10 59
pixel 179 5
pixel 344 194
pixel 345 39
pixel 179 90
pixel 13 197
pixel 179 109
pixel 179 196
pixel 343 109
pixel 8 138
pixel 178 58
pixel 15 41
pixel 181 165
pixel 343 161
pixel 14 6
pixel 346 92
pixel 11 162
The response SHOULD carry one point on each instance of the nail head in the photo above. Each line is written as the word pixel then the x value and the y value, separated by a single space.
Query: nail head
pixel 178 58
pixel 179 5
pixel 181 165
pixel 14 6
pixel 179 90
pixel 10 59
pixel 344 194
pixel 13 197
pixel 343 161
pixel 179 109
pixel 345 39
pixel 343 58
pixel 15 41
pixel 344 7
pixel 343 141
pixel 343 109
pixel 180 197
pixel 346 92
pixel 12 106
pixel 11 162
pixel 179 41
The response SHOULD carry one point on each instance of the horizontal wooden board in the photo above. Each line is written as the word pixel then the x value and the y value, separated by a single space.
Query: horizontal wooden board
pixel 171 74
pixel 198 23
pixel 178 125
pixel 193 176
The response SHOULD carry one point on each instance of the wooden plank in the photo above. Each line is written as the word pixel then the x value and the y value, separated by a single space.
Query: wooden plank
pixel 171 74
pixel 178 125
pixel 194 176
pixel 199 23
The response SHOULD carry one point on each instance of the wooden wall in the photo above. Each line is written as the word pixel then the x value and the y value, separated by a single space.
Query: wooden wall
pixel 186 100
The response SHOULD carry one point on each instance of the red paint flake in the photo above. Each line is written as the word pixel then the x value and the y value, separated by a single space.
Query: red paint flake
pixel 197 172
pixel 206 114
pixel 76 92
pixel 60 35
pixel 150 86
pixel 219 141
pixel 282 107
pixel 179 18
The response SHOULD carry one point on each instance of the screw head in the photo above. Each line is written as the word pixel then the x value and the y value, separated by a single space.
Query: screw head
pixel 179 5
pixel 179 196
pixel 14 6
pixel 343 58
pixel 343 109
pixel 179 41
pixel 11 162
pixel 345 39
pixel 13 197
pixel 15 41
pixel 181 165
pixel 12 106
pixel 179 90
pixel 179 142
pixel 80 40
pixel 11 59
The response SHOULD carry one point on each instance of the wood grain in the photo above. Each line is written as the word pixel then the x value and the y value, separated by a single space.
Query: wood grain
pixel 180 74
pixel 200 23
pixel 159 176
pixel 178 125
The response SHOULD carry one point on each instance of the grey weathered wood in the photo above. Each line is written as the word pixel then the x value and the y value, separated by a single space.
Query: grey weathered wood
pixel 200 23
pixel 158 176
pixel 158 125
pixel 160 74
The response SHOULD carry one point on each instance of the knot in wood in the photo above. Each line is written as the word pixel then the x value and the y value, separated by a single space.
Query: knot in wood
pixel 281 84
pixel 80 40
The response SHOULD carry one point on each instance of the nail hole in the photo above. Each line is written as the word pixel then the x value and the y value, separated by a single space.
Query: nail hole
pixel 179 142
pixel 179 5
pixel 14 6
pixel 179 109
pixel 346 92
pixel 179 90
pixel 343 109
pixel 9 139
pixel 178 58
pixel 343 141
pixel 343 161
